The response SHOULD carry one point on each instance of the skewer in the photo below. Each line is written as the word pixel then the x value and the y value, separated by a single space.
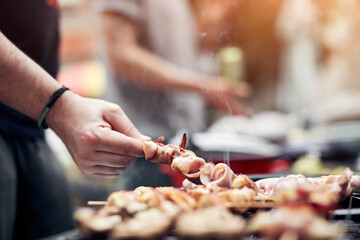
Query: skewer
pixel 255 204
pixel 97 203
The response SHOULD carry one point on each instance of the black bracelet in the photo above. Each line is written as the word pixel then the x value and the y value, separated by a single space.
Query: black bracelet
pixel 41 123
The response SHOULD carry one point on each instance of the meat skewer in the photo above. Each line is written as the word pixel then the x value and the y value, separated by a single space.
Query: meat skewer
pixel 194 168
pixel 198 171
pixel 157 152
pixel 343 184
pixel 180 159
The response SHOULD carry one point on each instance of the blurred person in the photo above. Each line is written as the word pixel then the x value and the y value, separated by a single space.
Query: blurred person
pixel 340 65
pixel 35 199
pixel 298 32
pixel 250 26
pixel 156 73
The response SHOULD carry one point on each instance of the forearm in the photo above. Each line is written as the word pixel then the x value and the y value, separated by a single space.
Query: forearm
pixel 150 70
pixel 24 85
pixel 128 58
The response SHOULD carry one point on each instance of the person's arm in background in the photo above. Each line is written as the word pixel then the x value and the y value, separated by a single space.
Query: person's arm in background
pixel 98 134
pixel 128 58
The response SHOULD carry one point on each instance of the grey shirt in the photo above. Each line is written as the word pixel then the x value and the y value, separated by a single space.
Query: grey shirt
pixel 167 28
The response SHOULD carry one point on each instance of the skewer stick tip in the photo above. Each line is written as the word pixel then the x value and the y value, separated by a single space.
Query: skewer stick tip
pixel 96 203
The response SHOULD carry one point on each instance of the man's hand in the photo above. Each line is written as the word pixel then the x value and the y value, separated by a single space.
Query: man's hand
pixel 98 134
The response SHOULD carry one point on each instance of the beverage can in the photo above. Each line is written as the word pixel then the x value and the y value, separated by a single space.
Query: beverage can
pixel 231 61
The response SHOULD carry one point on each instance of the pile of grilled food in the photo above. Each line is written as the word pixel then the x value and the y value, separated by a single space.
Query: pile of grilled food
pixel 215 203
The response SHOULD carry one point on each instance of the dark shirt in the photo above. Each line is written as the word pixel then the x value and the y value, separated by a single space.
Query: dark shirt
pixel 32 25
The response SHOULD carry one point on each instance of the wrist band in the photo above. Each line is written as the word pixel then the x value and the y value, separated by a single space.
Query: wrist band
pixel 41 122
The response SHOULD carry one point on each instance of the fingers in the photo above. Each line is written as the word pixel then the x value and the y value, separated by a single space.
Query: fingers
pixel 105 175
pixel 105 170
pixel 104 139
pixel 112 160
pixel 121 123
pixel 103 164
pixel 123 138
pixel 101 171
pixel 104 158
pixel 118 143
pixel 145 138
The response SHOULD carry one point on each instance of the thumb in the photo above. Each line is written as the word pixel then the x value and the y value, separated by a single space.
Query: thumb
pixel 121 123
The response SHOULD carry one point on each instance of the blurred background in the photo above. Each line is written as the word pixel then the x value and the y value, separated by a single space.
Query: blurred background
pixel 300 58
